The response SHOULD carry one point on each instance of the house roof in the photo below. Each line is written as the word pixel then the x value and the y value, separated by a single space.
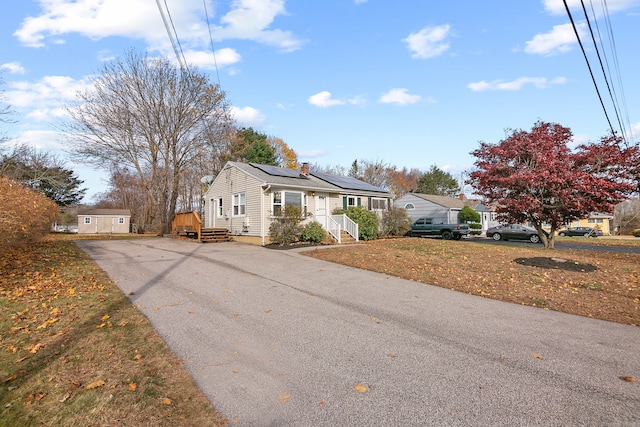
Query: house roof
pixel 447 202
pixel 600 215
pixel 106 212
pixel 285 177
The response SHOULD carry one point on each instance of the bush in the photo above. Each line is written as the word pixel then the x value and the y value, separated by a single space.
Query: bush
pixel 475 228
pixel 286 229
pixel 367 221
pixel 312 232
pixel 468 214
pixel 636 233
pixel 26 215
pixel 395 222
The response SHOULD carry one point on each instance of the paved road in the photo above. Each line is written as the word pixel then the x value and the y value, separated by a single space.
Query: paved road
pixel 277 339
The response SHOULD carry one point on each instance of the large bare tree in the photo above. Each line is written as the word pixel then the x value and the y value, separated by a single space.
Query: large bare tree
pixel 146 114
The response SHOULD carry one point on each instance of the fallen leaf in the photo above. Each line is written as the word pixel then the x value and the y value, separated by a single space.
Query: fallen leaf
pixel 267 311
pixel 105 317
pixel 391 355
pixel 537 356
pixel 156 308
pixel 166 401
pixel 284 398
pixel 360 388
pixel 322 403
pixel 138 356
pixel 133 386
pixel 95 384
pixel 628 379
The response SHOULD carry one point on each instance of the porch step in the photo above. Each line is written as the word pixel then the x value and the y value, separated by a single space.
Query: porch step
pixel 346 238
pixel 214 235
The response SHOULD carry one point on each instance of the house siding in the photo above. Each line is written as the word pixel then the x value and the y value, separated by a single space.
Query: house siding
pixel 427 208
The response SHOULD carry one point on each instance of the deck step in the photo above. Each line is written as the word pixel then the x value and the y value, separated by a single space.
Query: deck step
pixel 215 235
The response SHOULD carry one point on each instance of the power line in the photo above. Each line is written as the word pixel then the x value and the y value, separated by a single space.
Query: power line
pixel 175 44
pixel 595 45
pixel 575 30
pixel 215 62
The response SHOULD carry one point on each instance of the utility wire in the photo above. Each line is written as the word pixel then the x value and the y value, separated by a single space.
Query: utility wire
pixel 575 30
pixel 176 34
pixel 171 37
pixel 614 51
pixel 215 61
pixel 595 45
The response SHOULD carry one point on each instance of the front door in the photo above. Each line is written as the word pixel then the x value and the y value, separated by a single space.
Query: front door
pixel 322 202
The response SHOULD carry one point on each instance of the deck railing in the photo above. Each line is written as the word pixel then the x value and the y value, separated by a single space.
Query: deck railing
pixel 346 224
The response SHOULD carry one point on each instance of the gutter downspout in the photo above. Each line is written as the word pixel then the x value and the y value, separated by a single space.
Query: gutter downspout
pixel 262 192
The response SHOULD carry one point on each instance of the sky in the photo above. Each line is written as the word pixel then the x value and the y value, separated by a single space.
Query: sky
pixel 411 83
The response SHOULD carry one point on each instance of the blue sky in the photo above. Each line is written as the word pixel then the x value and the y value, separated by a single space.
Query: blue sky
pixel 412 83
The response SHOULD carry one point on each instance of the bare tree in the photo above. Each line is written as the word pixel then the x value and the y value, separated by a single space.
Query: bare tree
pixel 5 113
pixel 145 114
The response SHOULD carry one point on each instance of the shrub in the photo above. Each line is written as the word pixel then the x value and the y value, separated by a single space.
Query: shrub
pixel 636 233
pixel 286 229
pixel 367 221
pixel 26 215
pixel 312 232
pixel 395 222
pixel 475 228
pixel 468 214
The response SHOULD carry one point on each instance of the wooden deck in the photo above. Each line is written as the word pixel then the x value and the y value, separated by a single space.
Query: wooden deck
pixel 188 224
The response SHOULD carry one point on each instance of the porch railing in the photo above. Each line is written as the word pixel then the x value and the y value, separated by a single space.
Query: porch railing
pixel 347 225
pixel 333 227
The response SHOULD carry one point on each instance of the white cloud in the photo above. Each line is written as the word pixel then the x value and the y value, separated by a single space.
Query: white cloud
pixel 247 19
pixel 209 61
pixel 13 67
pixel 250 19
pixel 560 39
pixel 45 140
pixel 399 96
pixel 428 42
pixel 324 100
pixel 360 1
pixel 539 82
pixel 556 7
pixel 248 116
pixel 47 94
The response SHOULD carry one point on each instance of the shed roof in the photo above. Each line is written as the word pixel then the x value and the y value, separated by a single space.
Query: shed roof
pixel 105 212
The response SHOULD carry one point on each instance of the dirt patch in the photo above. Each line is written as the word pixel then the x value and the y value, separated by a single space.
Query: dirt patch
pixel 557 264
pixel 590 283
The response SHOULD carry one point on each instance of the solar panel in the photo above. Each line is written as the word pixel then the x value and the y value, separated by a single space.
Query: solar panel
pixel 346 182
pixel 277 170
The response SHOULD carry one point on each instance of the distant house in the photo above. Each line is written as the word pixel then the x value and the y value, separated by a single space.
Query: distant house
pixel 104 221
pixel 601 221
pixel 246 197
pixel 441 208
pixel 487 216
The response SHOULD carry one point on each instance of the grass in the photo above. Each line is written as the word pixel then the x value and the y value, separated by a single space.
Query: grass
pixel 75 352
pixel 592 283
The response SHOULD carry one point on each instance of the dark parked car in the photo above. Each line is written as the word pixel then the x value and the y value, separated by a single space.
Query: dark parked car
pixel 580 231
pixel 514 232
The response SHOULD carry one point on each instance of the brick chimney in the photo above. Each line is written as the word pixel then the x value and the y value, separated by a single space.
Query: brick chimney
pixel 462 196
pixel 304 169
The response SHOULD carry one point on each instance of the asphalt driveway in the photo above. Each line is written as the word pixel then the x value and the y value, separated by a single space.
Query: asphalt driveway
pixel 274 338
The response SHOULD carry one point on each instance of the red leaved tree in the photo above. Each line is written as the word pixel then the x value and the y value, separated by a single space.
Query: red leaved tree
pixel 535 177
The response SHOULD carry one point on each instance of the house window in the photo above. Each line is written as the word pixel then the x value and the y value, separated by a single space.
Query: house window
pixel 288 198
pixel 351 201
pixel 239 204
pixel 409 206
pixel 219 211
pixel 87 220
pixel 595 220
pixel 378 204
pixel 120 220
